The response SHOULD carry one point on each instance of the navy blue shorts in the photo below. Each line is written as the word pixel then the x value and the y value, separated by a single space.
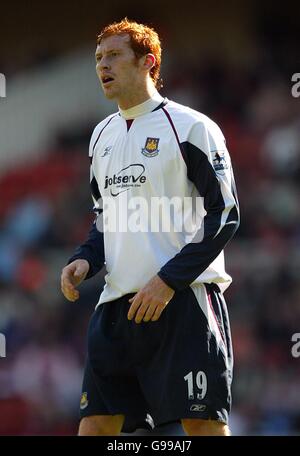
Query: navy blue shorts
pixel 158 372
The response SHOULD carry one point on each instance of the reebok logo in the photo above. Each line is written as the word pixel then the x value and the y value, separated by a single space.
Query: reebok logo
pixel 197 408
pixel 107 151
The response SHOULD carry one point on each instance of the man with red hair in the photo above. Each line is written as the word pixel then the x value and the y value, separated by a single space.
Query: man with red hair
pixel 159 344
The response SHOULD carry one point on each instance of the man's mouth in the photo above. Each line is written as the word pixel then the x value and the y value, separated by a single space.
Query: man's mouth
pixel 106 79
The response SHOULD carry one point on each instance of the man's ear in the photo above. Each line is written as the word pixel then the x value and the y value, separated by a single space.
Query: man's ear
pixel 149 61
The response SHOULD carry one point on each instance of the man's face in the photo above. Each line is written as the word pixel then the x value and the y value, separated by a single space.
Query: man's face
pixel 117 68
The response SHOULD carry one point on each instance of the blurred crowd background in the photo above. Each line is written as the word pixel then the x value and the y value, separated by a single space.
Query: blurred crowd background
pixel 231 60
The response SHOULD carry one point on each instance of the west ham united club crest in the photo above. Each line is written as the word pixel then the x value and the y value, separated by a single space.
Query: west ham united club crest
pixel 84 401
pixel 151 147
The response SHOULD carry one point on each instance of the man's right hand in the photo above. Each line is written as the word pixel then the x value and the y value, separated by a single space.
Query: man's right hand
pixel 72 275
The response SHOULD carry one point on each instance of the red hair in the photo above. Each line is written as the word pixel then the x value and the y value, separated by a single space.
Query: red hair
pixel 143 40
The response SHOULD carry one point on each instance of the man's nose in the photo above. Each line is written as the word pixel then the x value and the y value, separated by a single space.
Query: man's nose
pixel 104 65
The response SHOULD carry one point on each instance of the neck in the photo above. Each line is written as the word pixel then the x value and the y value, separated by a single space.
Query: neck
pixel 138 96
pixel 142 108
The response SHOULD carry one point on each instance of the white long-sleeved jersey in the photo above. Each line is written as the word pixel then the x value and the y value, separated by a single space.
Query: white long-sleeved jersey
pixel 169 157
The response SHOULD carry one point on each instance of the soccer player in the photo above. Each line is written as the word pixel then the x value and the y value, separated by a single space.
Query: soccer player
pixel 159 344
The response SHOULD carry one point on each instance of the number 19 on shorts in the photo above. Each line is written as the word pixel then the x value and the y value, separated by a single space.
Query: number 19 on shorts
pixel 200 385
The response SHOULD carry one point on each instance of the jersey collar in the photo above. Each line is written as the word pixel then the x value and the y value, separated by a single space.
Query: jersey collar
pixel 149 105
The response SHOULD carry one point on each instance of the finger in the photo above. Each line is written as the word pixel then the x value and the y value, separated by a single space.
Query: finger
pixel 66 281
pixel 69 292
pixel 70 295
pixel 141 311
pixel 72 298
pixel 134 306
pixel 158 312
pixel 131 299
pixel 150 313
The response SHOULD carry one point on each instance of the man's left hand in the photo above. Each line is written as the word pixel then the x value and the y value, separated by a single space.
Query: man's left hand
pixel 150 301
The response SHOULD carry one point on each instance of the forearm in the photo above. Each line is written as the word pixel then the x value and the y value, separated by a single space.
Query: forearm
pixel 194 258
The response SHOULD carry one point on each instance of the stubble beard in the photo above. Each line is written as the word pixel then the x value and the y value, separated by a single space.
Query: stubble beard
pixel 109 94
